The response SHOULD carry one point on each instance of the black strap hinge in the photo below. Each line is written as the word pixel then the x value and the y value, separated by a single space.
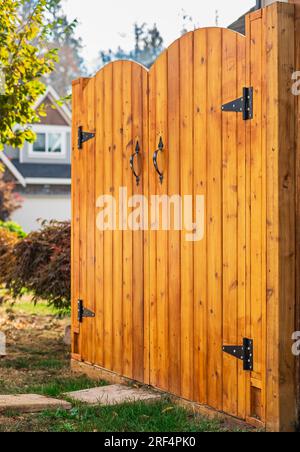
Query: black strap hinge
pixel 83 137
pixel 83 312
pixel 243 353
pixel 242 105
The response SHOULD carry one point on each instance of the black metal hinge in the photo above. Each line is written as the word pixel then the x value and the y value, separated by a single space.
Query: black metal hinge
pixel 83 137
pixel 83 312
pixel 243 353
pixel 242 105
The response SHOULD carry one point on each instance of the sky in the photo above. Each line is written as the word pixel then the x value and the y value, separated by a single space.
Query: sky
pixel 108 24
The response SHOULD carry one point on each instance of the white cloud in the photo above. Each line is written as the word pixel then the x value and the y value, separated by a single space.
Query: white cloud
pixel 108 24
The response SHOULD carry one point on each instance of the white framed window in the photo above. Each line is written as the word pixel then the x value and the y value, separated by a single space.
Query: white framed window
pixel 51 142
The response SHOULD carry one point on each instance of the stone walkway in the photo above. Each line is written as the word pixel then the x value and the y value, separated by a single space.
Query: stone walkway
pixel 30 403
pixel 113 395
pixel 107 395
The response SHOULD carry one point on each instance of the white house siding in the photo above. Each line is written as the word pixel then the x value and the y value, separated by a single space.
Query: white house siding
pixel 46 207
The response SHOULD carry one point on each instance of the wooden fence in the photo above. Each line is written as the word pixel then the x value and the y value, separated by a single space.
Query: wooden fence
pixel 164 308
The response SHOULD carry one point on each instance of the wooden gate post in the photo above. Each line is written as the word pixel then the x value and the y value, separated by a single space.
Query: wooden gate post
pixel 297 123
pixel 277 35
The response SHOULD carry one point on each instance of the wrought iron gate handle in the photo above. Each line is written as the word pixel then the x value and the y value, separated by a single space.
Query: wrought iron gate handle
pixel 135 155
pixel 160 149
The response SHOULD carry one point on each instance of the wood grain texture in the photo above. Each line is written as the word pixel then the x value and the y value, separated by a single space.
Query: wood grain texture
pixel 117 253
pixel 99 187
pixel 200 188
pixel 215 218
pixel 108 235
pixel 174 246
pixel 83 163
pixel 242 377
pixel 230 90
pixel 281 401
pixel 187 183
pixel 75 239
pixel 162 263
pixel 89 301
pixel 165 305
pixel 297 136
pixel 138 236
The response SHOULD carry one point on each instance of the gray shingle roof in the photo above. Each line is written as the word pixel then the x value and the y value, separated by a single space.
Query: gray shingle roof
pixel 39 170
pixel 239 24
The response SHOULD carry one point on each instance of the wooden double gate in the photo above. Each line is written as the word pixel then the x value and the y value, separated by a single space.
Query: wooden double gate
pixel 164 307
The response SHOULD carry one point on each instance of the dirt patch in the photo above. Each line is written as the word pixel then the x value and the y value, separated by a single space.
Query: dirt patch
pixel 35 349
pixel 6 422
pixel 37 361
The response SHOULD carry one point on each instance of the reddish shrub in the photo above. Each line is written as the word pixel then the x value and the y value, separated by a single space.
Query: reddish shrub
pixel 9 201
pixel 8 241
pixel 41 264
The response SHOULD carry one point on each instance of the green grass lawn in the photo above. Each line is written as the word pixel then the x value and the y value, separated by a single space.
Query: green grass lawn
pixel 40 308
pixel 39 363
pixel 139 417
pixel 27 307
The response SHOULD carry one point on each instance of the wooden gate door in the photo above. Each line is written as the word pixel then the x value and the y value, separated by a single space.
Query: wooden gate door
pixel 83 228
pixel 198 289
pixel 170 305
pixel 108 262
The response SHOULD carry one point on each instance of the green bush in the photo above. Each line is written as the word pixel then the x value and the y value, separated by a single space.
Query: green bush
pixel 13 227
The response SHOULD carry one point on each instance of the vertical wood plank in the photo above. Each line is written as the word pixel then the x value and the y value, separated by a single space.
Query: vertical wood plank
pixel 83 159
pixel 138 254
pixel 162 235
pixel 174 235
pixel 127 234
pixel 147 282
pixel 264 82
pixel 187 179
pixel 117 153
pixel 297 136
pixel 286 30
pixel 273 401
pixel 200 188
pixel 99 165
pixel 214 215
pixel 230 90
pixel 281 402
pixel 256 196
pixel 152 233
pixel 108 235
pixel 89 302
pixel 241 227
pixel 75 253
pixel 248 215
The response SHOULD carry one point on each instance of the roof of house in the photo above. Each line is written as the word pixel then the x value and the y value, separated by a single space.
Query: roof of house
pixel 51 96
pixel 40 170
pixel 37 173
pixel 239 25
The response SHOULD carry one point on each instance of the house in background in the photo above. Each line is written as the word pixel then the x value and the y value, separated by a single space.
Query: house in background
pixel 42 171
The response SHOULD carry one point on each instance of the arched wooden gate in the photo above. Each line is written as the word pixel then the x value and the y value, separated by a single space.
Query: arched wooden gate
pixel 153 306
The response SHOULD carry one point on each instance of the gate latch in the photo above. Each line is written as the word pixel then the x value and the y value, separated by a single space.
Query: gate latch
pixel 83 312
pixel 243 353
pixel 242 105
pixel 83 137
